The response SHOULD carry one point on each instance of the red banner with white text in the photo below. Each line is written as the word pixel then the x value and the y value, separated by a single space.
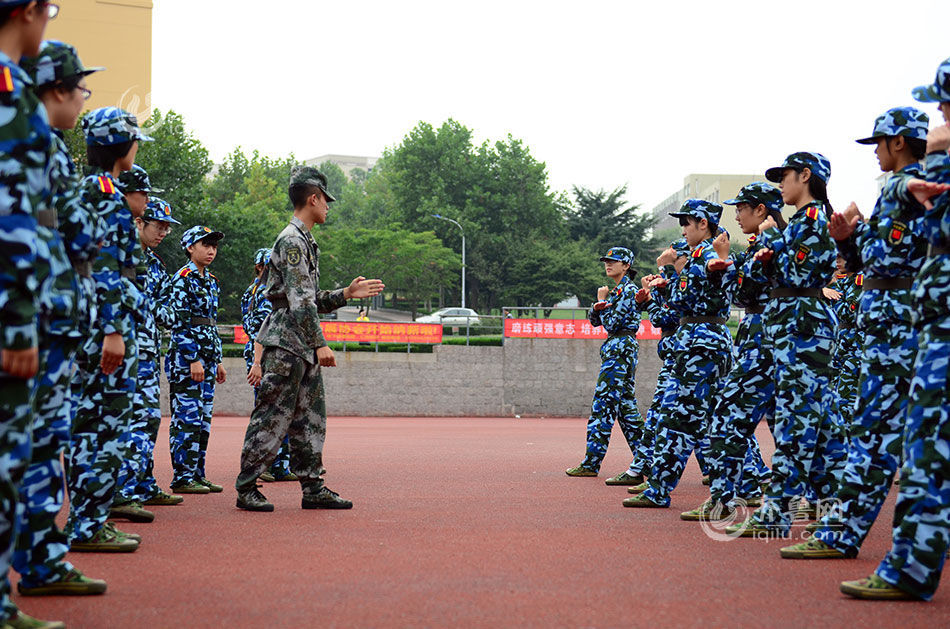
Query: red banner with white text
pixel 370 332
pixel 567 329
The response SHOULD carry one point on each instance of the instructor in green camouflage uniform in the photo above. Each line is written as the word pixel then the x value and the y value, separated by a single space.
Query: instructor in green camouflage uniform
pixel 290 400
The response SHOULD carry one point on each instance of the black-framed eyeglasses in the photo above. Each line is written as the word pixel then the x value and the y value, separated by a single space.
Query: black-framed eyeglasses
pixel 86 92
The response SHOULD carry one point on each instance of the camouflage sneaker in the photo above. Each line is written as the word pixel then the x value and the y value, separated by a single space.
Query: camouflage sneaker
pixel 109 526
pixel 623 478
pixel 267 477
pixel 750 528
pixel 642 502
pixel 751 501
pixel 875 588
pixel 707 481
pixel 191 487
pixel 580 470
pixel 814 548
pixel 214 489
pixel 162 499
pixel 131 511
pixel 639 489
pixel 74 583
pixel 253 500
pixel 325 499
pixel 708 512
pixel 285 478
pixel 105 541
pixel 22 621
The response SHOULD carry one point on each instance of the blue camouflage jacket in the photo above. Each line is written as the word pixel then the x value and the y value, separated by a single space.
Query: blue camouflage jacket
pixel 159 311
pixel 697 292
pixel 25 147
pixel 847 337
pixel 931 292
pixel 195 296
pixel 745 292
pixel 622 313
pixel 254 309
pixel 804 257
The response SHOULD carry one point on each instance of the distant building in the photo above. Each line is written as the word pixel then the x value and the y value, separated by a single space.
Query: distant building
pixel 116 34
pixel 715 188
pixel 346 162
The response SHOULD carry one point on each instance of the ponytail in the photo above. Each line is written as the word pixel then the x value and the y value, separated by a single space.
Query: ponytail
pixel 819 190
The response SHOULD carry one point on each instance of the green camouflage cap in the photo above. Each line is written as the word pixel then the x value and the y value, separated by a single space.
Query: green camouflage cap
pixel 618 254
pixel 200 232
pixel 759 192
pixel 56 61
pixel 700 209
pixel 110 125
pixel 136 180
pixel 159 210
pixel 310 176
pixel 939 91
pixel 907 121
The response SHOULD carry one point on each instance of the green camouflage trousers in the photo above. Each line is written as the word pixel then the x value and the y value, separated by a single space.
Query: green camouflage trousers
pixel 290 402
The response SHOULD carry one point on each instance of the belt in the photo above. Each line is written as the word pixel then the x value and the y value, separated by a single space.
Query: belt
pixel 622 334
pixel 47 218
pixel 127 272
pixel 83 267
pixel 887 283
pixel 667 332
pixel 794 292
pixel 715 320
pixel 754 309
pixel 279 302
pixel 942 250
pixel 203 321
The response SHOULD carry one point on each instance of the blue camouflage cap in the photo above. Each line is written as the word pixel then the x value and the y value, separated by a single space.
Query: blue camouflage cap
pixel 939 91
pixel 110 125
pixel 159 210
pixel 700 209
pixel 199 232
pixel 618 254
pixel 262 256
pixel 907 121
pixel 759 193
pixel 56 61
pixel 681 247
pixel 817 163
pixel 136 180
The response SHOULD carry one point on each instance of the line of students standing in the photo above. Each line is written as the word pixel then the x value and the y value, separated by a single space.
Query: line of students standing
pixel 852 377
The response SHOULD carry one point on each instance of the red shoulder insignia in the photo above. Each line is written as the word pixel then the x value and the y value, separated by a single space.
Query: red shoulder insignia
pixel 698 252
pixel 106 185
pixel 6 81
pixel 812 213
pixel 859 279
pixel 184 272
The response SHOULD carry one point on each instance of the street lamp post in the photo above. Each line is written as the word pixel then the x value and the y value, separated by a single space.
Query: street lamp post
pixel 439 216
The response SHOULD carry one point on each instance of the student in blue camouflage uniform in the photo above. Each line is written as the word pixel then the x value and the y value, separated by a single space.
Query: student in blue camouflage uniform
pixel 921 535
pixel 662 316
pixel 59 80
pixel 889 252
pixel 25 151
pixel 254 309
pixel 138 484
pixel 846 359
pixel 797 263
pixel 617 311
pixel 108 360
pixel 702 355
pixel 193 363
pixel 748 392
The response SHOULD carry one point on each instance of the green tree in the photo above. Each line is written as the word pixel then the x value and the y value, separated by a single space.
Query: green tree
pixel 176 161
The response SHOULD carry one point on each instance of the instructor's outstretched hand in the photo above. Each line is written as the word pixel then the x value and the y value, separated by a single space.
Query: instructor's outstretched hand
pixel 361 288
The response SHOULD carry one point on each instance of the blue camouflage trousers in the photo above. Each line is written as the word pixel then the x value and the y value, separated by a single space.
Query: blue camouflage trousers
pixel 748 397
pixel 281 465
pixel 695 380
pixel 191 406
pixel 810 448
pixel 41 546
pixel 876 435
pixel 922 516
pixel 16 412
pixel 846 364
pixel 643 457
pixel 95 453
pixel 614 400
pixel 136 481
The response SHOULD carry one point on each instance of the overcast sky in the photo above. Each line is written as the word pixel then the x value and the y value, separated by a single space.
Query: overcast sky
pixel 605 93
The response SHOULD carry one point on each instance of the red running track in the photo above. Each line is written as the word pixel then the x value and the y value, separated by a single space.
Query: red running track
pixel 466 523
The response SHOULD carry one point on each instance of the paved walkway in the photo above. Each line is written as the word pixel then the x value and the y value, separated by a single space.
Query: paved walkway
pixel 462 523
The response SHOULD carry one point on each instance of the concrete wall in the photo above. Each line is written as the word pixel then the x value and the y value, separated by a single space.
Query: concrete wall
pixel 528 377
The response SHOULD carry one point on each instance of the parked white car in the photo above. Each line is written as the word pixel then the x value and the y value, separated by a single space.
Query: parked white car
pixel 457 317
